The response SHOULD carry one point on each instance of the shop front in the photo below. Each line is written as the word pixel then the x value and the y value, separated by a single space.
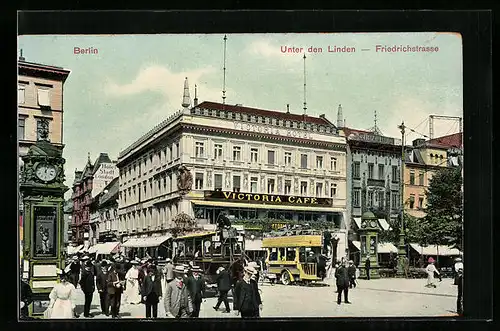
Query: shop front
pixel 260 213
pixel 154 246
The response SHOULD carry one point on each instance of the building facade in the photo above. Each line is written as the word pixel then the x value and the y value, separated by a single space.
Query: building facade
pixel 249 163
pixel 89 183
pixel 422 160
pixel 40 96
pixel 105 228
pixel 374 176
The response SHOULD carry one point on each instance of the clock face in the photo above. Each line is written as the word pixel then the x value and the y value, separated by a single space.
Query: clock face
pixel 373 224
pixel 46 172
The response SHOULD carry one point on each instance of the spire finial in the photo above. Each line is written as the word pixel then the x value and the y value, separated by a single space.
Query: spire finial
pixel 88 157
pixel 21 58
pixel 340 120
pixel 195 95
pixel 224 74
pixel 375 118
pixel 305 103
pixel 186 100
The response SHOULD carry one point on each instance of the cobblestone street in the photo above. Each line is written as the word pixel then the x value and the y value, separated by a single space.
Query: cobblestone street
pixel 373 298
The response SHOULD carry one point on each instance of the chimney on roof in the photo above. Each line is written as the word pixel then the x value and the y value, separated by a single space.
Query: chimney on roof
pixel 322 116
pixel 21 58
pixel 186 99
pixel 195 95
pixel 288 108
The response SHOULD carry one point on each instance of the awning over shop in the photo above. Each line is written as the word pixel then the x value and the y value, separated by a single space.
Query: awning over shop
pixel 441 250
pixel 383 223
pixel 253 245
pixel 105 248
pixel 265 206
pixel 386 248
pixel 382 248
pixel 356 244
pixel 357 220
pixel 146 241
pixel 74 249
pixel 197 234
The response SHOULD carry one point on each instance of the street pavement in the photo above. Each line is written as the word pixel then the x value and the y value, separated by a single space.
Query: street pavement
pixel 386 297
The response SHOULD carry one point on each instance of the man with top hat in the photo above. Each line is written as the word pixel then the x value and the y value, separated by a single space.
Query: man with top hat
pixel 431 270
pixel 342 276
pixel 87 285
pixel 74 271
pixel 26 299
pixel 196 287
pixel 177 300
pixel 351 271
pixel 151 291
pixel 367 267
pixel 223 281
pixel 115 290
pixel 247 297
pixel 458 268
pixel 102 286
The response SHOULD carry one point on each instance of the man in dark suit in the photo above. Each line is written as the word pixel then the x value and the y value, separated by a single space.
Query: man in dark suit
pixel 151 291
pixel 367 267
pixel 88 286
pixel 26 299
pixel 102 287
pixel 223 281
pixel 115 290
pixel 342 276
pixel 196 287
pixel 351 270
pixel 247 298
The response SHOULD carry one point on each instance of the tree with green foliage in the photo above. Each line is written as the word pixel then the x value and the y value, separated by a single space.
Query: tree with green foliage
pixel 443 223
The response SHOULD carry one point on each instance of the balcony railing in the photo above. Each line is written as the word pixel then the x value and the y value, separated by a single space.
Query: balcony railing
pixel 375 182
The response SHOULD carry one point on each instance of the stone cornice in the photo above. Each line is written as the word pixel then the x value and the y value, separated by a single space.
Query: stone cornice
pixel 261 137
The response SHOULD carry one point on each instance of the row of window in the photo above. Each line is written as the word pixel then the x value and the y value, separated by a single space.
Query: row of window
pixel 147 163
pixel 43 95
pixel 21 128
pixel 270 186
pixel 264 120
pixel 420 178
pixel 356 173
pixel 146 189
pixel 147 217
pixel 375 199
pixel 200 152
pixel 413 205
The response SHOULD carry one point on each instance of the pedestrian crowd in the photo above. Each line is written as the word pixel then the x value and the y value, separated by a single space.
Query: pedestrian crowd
pixel 181 286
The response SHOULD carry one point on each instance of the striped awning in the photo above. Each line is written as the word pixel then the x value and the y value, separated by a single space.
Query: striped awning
pixel 441 250
pixel 197 234
pixel 146 241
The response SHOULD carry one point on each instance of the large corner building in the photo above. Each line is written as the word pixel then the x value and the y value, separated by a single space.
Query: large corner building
pixel 250 163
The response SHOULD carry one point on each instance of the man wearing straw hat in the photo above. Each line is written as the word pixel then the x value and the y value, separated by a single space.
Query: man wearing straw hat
pixel 247 297
pixel 177 301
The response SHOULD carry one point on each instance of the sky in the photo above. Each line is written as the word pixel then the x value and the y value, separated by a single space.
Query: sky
pixel 135 81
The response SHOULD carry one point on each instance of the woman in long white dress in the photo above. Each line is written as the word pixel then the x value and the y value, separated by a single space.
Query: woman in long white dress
pixel 132 293
pixel 431 269
pixel 62 298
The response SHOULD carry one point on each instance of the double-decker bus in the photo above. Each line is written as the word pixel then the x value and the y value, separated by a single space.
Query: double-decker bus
pixel 296 258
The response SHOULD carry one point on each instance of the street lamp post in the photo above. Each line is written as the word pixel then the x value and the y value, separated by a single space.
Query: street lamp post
pixel 401 246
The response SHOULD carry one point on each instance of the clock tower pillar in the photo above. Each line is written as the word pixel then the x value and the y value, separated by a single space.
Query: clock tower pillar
pixel 42 188
pixel 369 245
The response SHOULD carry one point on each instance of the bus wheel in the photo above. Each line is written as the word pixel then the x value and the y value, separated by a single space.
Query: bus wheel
pixel 285 278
